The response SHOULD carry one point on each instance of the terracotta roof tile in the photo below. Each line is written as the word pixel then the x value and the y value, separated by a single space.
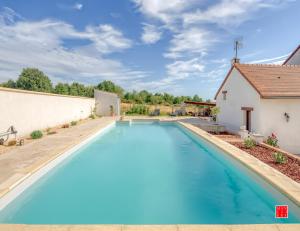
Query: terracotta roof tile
pixel 272 80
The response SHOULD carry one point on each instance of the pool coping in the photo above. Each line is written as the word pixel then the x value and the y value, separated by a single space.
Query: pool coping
pixel 283 183
pixel 179 227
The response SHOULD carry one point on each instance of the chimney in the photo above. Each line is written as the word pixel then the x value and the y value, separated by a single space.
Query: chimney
pixel 235 60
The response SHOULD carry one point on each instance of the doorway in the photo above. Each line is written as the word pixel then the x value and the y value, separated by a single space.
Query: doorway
pixel 247 117
pixel 248 121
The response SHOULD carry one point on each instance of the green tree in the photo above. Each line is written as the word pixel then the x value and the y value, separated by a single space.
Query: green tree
pixel 89 91
pixel 196 98
pixel 34 80
pixel 110 87
pixel 77 89
pixel 10 84
pixel 62 88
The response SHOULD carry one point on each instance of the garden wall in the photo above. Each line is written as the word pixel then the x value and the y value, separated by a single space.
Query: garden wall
pixel 107 103
pixel 28 111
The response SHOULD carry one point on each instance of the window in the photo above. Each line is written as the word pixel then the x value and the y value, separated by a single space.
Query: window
pixel 224 94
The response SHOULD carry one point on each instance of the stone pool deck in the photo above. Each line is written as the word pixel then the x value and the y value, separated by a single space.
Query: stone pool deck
pixel 20 162
pixel 278 227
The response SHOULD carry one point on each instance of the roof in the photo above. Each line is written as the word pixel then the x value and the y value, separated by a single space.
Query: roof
pixel 200 103
pixel 270 81
pixel 291 55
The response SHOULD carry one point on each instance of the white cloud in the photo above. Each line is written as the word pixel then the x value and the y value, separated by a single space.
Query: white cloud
pixel 229 12
pixel 164 10
pixel 41 44
pixel 151 34
pixel 184 69
pixel 273 60
pixel 78 6
pixel 192 41
pixel 107 39
pixel 192 25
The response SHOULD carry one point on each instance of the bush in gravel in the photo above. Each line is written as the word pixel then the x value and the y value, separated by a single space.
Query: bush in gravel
pixel 279 158
pixel 36 134
pixel 73 123
pixel 272 140
pixel 249 142
pixel 65 126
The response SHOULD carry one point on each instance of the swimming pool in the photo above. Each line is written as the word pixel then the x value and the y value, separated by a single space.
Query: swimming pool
pixel 148 173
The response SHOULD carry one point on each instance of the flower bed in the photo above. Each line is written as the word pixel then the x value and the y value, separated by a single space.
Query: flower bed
pixel 291 168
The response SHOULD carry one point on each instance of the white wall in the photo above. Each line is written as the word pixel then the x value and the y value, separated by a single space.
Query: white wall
pixel 239 94
pixel 28 111
pixel 104 101
pixel 273 120
pixel 295 59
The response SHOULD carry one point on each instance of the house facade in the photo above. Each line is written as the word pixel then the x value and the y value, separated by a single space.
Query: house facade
pixel 265 99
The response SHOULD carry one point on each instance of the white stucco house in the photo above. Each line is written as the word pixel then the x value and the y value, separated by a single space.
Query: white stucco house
pixel 265 99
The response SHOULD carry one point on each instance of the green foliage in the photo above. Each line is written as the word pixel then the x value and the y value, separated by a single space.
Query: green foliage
pixel 279 158
pixel 139 109
pixel 215 111
pixel 92 116
pixel 249 143
pixel 34 80
pixel 10 84
pixel 196 98
pixel 62 88
pixel 36 134
pixel 110 87
pixel 73 123
pixel 145 97
pixel 272 140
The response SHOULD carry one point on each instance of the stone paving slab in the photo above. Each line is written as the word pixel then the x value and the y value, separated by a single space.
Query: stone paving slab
pixel 17 163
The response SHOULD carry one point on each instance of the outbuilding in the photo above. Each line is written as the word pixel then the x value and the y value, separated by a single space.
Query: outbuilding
pixel 265 99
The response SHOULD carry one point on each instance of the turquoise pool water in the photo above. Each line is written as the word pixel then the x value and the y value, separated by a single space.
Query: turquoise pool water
pixel 148 173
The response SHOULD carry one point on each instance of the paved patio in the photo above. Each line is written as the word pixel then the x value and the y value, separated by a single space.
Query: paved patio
pixel 16 163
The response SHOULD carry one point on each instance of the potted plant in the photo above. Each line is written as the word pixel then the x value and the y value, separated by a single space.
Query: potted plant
pixel 214 112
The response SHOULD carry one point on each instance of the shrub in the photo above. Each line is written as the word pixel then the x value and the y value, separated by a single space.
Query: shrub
pixel 272 140
pixel 36 134
pixel 11 143
pixel 214 112
pixel 65 126
pixel 92 116
pixel 138 109
pixel 279 158
pixel 73 123
pixel 249 142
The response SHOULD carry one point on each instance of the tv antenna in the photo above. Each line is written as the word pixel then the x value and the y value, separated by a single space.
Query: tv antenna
pixel 238 44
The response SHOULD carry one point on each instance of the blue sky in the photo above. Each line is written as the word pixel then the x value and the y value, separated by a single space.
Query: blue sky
pixel 182 47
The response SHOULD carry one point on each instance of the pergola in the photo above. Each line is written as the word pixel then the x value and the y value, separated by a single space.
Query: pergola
pixel 200 103
pixel 206 111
